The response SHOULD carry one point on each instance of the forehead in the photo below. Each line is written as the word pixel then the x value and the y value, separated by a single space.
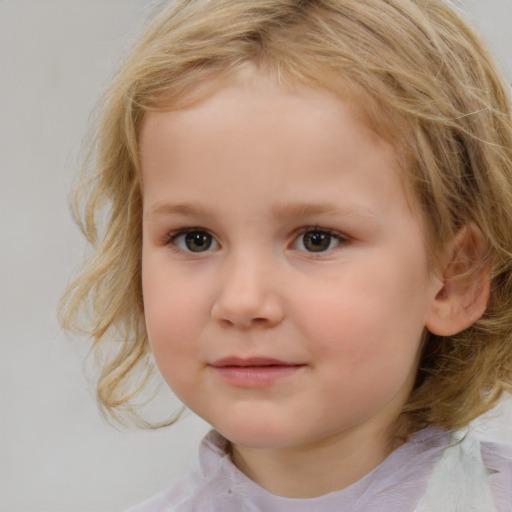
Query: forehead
pixel 266 103
pixel 269 87
pixel 271 79
pixel 255 106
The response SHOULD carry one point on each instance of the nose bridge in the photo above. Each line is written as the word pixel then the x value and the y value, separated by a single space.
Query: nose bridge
pixel 247 292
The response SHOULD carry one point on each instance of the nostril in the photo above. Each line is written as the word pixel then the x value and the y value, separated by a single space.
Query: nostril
pixel 243 324
pixel 247 310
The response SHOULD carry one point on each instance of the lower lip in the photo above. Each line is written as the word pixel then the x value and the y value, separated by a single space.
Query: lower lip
pixel 256 376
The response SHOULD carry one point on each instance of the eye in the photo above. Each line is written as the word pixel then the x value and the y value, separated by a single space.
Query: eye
pixel 318 240
pixel 194 240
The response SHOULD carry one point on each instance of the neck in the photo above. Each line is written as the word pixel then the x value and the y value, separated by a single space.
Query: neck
pixel 317 468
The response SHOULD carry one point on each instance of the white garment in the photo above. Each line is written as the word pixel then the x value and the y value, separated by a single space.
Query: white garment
pixel 467 471
pixel 475 472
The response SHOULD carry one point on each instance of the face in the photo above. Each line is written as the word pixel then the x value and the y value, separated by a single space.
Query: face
pixel 284 274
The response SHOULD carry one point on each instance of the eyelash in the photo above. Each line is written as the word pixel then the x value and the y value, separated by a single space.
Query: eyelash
pixel 172 237
pixel 338 237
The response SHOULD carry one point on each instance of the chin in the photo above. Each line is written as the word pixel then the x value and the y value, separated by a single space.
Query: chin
pixel 267 436
pixel 262 436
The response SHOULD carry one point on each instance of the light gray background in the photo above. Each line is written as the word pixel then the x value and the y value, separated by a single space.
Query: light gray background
pixel 56 454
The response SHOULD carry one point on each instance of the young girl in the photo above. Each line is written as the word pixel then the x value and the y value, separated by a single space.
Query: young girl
pixel 307 211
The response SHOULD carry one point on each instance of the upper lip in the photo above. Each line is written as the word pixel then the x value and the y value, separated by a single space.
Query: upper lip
pixel 250 361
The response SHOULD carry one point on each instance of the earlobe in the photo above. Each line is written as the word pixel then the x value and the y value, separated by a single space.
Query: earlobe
pixel 464 293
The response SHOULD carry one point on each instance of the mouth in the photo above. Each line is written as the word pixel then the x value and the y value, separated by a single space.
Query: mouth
pixel 254 372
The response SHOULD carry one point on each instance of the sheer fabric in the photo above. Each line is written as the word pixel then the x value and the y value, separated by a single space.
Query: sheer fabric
pixel 465 471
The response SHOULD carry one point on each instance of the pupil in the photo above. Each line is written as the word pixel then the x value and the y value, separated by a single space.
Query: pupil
pixel 197 241
pixel 317 241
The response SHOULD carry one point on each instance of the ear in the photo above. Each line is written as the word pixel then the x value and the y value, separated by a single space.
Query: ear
pixel 465 278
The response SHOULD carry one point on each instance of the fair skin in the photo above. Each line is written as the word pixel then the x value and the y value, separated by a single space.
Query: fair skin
pixel 285 279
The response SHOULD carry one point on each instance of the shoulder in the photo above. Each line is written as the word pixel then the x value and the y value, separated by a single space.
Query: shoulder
pixel 158 503
pixel 493 431
pixel 202 489
pixel 171 499
pixel 476 469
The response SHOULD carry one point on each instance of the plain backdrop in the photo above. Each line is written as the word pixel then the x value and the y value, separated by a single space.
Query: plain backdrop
pixel 56 453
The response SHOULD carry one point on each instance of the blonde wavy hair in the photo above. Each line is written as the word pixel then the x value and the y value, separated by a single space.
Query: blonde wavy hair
pixel 425 80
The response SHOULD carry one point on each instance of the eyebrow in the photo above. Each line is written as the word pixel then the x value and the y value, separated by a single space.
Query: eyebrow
pixel 280 211
pixel 300 209
pixel 179 208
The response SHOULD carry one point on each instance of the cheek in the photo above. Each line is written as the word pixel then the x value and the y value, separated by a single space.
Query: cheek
pixel 368 322
pixel 367 357
pixel 173 323
pixel 166 318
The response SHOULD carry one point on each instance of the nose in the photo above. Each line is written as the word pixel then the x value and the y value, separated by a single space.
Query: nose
pixel 248 295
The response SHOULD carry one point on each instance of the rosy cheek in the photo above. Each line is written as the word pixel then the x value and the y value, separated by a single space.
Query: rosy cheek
pixel 160 316
pixel 173 351
pixel 350 327
pixel 335 321
pixel 166 329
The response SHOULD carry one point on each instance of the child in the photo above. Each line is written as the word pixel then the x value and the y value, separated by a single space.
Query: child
pixel 308 211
